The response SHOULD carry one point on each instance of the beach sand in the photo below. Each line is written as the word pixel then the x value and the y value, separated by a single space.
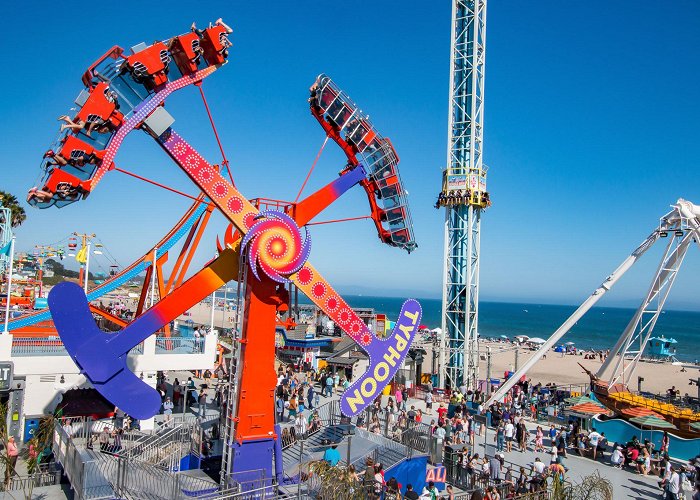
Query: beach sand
pixel 563 369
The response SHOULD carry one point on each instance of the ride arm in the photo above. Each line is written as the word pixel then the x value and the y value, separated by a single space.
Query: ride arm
pixel 315 203
pixel 386 355
pixel 571 321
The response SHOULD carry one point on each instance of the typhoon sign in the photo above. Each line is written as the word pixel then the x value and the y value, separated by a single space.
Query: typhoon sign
pixel 385 358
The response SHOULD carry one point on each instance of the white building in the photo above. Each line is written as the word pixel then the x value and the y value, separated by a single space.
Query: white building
pixel 43 371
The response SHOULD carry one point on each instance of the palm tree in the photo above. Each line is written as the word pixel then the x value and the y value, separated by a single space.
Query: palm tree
pixel 10 201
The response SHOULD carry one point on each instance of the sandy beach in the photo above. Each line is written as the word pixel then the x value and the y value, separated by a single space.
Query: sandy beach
pixel 564 369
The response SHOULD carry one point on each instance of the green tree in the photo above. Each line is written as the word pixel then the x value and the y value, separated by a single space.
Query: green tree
pixel 10 201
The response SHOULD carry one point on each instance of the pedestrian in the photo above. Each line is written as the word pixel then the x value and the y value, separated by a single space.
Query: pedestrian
pixel 118 417
pixel 207 377
pixel 293 406
pixel 310 397
pixel 279 408
pixel 202 399
pixel 12 454
pixel 197 337
pixel 176 392
pixel 500 437
pixel 428 402
pixel 336 382
pixel 509 432
pixel 104 439
pixel 673 486
pixel 328 389
pixel 300 426
pixel 399 398
pixel 168 409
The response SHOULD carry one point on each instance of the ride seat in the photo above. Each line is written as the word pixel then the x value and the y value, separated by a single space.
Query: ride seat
pixel 150 65
pixel 389 186
pixel 328 95
pixel 400 237
pixel 360 135
pixel 186 51
pixel 101 104
pixel 73 149
pixel 213 45
pixel 394 214
pixel 338 114
pixel 57 182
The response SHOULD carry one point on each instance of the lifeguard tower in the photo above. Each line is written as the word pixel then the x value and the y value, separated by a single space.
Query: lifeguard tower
pixel 662 349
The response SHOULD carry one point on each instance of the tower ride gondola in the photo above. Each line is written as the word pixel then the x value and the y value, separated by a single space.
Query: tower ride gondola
pixel 266 250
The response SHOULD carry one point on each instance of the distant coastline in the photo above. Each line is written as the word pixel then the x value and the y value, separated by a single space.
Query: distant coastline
pixel 598 330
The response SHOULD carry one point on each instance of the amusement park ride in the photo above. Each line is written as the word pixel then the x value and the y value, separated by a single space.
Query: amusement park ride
pixel 464 196
pixel 265 250
pixel 681 228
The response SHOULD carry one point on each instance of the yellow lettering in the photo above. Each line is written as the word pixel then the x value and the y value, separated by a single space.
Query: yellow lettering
pixel 353 401
pixel 392 356
pixel 413 316
pixel 363 388
pixel 407 330
pixel 400 343
pixel 383 377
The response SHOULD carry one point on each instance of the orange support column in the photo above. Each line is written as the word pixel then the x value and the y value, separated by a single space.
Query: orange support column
pixel 256 397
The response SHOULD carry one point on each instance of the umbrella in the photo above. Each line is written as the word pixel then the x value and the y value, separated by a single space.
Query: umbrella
pixel 652 421
pixel 537 340
pixel 577 400
pixel 570 343
pixel 559 349
pixel 423 327
pixel 521 338
pixel 639 411
pixel 504 336
pixel 592 408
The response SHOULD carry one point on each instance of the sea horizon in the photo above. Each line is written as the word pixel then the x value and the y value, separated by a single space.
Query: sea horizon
pixel 599 329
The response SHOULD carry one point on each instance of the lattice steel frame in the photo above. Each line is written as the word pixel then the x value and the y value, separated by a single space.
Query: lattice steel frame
pixel 460 301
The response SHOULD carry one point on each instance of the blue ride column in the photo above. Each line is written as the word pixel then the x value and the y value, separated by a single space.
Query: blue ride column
pixel 464 196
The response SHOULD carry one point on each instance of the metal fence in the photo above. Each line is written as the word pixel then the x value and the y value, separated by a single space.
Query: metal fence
pixel 38 346
pixel 179 345
pixel 47 475
pixel 96 475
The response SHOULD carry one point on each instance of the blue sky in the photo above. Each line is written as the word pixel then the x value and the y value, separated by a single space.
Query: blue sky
pixel 591 119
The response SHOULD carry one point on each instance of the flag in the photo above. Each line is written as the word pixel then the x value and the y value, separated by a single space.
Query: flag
pixel 81 256
pixel 6 249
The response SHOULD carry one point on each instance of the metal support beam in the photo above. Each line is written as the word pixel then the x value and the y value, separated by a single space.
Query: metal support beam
pixel 459 359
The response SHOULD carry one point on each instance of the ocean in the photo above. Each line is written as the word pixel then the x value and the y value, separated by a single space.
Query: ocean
pixel 598 329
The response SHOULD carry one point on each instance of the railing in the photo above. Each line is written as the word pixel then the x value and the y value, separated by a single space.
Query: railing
pixel 48 475
pixel 38 346
pixel 85 431
pixel 94 475
pixel 179 345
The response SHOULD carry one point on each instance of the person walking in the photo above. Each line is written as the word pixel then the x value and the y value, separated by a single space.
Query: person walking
pixel 202 400
pixel 168 409
pixel 12 454
pixel 509 432
pixel 177 391
pixel 673 487
pixel 328 389
pixel 104 439
pixel 310 397
pixel 300 426
pixel 500 437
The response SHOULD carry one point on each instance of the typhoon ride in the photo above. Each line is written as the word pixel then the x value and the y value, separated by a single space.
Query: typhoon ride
pixel 265 248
